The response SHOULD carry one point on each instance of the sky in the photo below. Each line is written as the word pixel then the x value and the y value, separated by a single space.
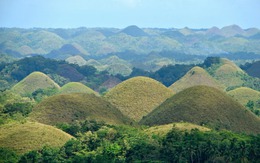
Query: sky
pixel 122 13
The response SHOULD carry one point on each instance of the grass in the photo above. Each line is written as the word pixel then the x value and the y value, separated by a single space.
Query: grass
pixel 229 74
pixel 244 94
pixel 76 60
pixel 34 81
pixel 196 76
pixel 138 96
pixel 76 87
pixel 66 108
pixel 162 130
pixel 24 137
pixel 204 105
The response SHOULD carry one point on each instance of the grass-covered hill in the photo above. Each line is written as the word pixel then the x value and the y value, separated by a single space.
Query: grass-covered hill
pixel 77 59
pixel 196 76
pixel 76 87
pixel 183 126
pixel 66 108
pixel 204 105
pixel 243 95
pixel 24 137
pixel 34 81
pixel 138 96
pixel 228 73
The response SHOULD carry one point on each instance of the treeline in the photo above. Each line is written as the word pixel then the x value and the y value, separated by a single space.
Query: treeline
pixel 105 143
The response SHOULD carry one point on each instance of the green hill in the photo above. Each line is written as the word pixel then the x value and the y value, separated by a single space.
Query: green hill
pixel 66 108
pixel 204 105
pixel 244 94
pixel 184 126
pixel 253 69
pixel 77 59
pixel 138 96
pixel 196 76
pixel 24 137
pixel 228 73
pixel 34 81
pixel 76 87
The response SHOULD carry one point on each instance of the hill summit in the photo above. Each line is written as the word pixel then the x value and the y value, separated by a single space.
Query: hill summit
pixel 76 87
pixel 196 76
pixel 204 105
pixel 134 31
pixel 34 81
pixel 138 96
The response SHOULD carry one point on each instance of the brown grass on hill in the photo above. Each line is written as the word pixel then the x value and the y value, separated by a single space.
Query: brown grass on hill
pixel 138 96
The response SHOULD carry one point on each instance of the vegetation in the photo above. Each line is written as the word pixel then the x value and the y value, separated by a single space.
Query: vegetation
pixel 247 97
pixel 76 87
pixel 207 106
pixel 253 69
pixel 24 137
pixel 67 108
pixel 196 76
pixel 33 82
pixel 138 96
pixel 128 144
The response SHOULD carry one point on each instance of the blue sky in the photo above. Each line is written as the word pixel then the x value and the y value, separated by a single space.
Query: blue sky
pixel 121 13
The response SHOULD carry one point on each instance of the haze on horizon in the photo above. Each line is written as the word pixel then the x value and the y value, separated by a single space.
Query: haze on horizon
pixel 122 13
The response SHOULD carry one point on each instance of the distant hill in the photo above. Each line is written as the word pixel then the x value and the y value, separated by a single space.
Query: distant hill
pixel 134 31
pixel 76 87
pixel 66 108
pixel 77 59
pixel 138 96
pixel 162 130
pixel 227 73
pixel 25 137
pixel 196 76
pixel 244 94
pixel 253 69
pixel 204 105
pixel 34 81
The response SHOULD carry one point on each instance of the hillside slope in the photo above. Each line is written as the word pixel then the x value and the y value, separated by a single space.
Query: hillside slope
pixel 34 81
pixel 66 108
pixel 196 76
pixel 244 94
pixel 204 105
pixel 24 137
pixel 138 96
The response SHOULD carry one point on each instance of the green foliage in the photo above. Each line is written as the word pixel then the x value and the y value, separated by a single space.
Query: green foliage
pixel 40 94
pixel 23 108
pixel 8 156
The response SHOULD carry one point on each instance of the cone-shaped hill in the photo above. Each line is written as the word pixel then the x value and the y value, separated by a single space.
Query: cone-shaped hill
pixel 244 94
pixel 138 96
pixel 196 76
pixel 29 136
pixel 66 108
pixel 228 73
pixel 34 81
pixel 204 105
pixel 76 87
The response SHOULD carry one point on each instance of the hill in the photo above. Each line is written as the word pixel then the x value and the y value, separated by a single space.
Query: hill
pixel 244 94
pixel 196 76
pixel 34 81
pixel 253 69
pixel 77 59
pixel 134 31
pixel 164 129
pixel 24 137
pixel 204 105
pixel 227 73
pixel 66 108
pixel 138 96
pixel 76 87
